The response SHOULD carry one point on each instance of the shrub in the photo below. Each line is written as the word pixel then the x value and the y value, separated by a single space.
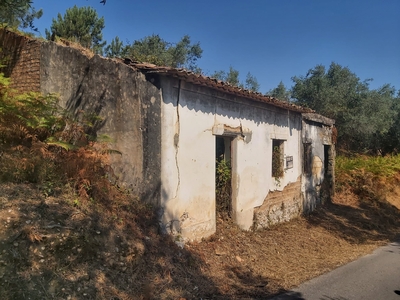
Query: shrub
pixel 39 143
pixel 223 186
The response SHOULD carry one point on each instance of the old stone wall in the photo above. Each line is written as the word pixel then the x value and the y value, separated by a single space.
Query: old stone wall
pixel 21 56
pixel 279 206
pixel 126 105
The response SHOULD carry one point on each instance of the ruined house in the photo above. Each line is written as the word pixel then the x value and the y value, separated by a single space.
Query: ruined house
pixel 172 126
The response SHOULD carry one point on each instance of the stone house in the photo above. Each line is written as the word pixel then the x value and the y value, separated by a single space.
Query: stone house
pixel 172 126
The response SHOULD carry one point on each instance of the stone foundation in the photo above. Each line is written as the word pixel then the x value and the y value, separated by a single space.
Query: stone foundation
pixel 279 206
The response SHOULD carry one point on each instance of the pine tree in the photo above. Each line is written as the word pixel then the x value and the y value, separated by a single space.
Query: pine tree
pixel 18 13
pixel 154 49
pixel 81 25
pixel 116 48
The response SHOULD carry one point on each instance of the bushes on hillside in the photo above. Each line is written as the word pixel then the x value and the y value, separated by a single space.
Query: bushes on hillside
pixel 40 144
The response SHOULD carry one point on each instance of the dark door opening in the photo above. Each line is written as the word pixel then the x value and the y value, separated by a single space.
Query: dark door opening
pixel 223 176
pixel 326 160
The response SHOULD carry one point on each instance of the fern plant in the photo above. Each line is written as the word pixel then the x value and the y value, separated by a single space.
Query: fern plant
pixel 39 143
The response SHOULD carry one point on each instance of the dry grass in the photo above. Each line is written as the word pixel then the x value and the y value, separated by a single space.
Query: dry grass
pixel 53 248
pixel 106 245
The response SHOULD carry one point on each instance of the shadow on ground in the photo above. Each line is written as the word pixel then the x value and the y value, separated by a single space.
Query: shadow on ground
pixel 371 221
pixel 50 248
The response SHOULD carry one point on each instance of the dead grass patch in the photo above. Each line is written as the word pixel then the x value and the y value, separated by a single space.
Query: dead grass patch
pixel 54 247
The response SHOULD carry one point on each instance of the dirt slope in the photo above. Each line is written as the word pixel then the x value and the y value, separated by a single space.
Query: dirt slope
pixel 58 248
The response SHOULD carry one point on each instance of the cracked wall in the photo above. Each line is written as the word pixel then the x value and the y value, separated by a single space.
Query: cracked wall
pixel 188 155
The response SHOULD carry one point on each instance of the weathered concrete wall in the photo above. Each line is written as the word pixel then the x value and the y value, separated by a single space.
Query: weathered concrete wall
pixel 22 59
pixel 127 102
pixel 192 117
pixel 317 185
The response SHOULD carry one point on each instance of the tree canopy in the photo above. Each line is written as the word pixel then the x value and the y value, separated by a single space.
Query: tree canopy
pixel 116 48
pixel 251 83
pixel 81 25
pixel 154 49
pixel 363 116
pixel 232 77
pixel 280 92
pixel 18 13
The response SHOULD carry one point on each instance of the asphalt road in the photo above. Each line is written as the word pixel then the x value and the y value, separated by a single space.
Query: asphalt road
pixel 372 277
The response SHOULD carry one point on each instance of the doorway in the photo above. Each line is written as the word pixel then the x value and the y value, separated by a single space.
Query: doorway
pixel 223 176
pixel 327 152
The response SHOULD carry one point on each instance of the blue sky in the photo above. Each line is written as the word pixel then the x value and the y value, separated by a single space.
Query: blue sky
pixel 274 40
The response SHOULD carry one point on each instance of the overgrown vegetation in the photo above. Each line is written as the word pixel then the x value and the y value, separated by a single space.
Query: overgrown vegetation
pixel 277 161
pixel 223 187
pixel 41 144
pixel 366 176
pixel 55 248
pixel 81 25
pixel 19 13
pixel 232 77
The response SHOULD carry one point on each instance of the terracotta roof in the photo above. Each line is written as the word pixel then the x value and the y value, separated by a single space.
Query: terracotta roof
pixel 213 83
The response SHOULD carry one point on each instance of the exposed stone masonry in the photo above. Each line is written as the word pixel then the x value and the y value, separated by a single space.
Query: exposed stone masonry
pixel 22 56
pixel 279 206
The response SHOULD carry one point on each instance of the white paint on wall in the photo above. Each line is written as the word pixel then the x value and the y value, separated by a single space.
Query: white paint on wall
pixel 188 161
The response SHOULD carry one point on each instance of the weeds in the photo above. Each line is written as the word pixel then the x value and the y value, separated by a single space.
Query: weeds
pixel 367 176
pixel 40 144
pixel 223 186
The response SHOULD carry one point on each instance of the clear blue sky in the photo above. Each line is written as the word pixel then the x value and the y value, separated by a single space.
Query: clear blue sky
pixel 272 39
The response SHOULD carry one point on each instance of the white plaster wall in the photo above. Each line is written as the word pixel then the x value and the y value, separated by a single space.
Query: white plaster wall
pixel 188 170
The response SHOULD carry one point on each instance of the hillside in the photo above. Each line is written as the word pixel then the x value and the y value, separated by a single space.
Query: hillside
pixel 58 247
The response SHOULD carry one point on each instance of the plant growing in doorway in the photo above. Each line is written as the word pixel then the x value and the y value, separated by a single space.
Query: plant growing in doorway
pixel 223 175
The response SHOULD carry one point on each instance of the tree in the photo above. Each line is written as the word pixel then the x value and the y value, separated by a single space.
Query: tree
pixel 232 77
pixel 81 25
pixel 363 116
pixel 154 49
pixel 18 13
pixel 251 83
pixel 116 48
pixel 280 92
pixel 391 140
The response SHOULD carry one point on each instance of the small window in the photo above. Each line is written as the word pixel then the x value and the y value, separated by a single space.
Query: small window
pixel 307 158
pixel 277 158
